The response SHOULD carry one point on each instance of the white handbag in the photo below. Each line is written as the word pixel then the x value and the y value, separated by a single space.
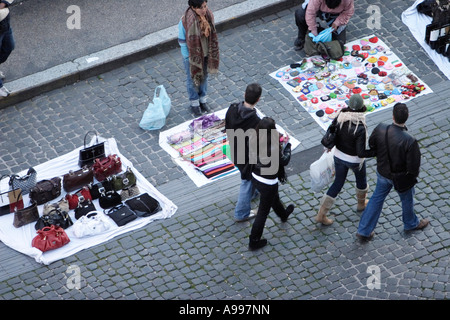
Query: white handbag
pixel 322 171
pixel 94 223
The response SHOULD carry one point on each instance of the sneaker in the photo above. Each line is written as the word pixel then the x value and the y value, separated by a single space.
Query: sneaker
pixel 364 238
pixel 205 108
pixel 4 92
pixel 249 217
pixel 196 110
pixel 289 210
pixel 255 245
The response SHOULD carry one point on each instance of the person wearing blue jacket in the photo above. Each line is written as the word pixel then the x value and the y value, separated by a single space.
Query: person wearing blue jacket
pixel 198 40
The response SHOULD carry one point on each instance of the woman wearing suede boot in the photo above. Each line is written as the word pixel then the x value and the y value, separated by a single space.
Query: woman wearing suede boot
pixel 350 153
pixel 271 159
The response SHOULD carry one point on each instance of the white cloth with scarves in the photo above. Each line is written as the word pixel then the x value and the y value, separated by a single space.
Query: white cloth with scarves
pixel 20 239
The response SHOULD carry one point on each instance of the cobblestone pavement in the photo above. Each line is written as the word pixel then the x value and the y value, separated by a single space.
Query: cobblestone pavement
pixel 200 253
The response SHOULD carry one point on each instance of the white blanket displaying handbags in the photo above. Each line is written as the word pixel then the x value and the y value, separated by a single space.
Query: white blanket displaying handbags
pixel 94 223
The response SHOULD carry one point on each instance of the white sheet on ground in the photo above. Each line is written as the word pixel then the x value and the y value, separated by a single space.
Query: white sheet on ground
pixel 20 239
pixel 417 23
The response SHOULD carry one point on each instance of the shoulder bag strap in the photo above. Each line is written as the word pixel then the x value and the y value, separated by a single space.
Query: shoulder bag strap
pixel 387 148
pixel 96 137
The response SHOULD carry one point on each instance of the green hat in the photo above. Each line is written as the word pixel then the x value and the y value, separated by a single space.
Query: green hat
pixel 356 102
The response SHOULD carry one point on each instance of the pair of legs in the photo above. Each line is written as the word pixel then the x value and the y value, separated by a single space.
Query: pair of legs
pixel 341 171
pixel 197 94
pixel 269 199
pixel 340 34
pixel 247 192
pixel 371 214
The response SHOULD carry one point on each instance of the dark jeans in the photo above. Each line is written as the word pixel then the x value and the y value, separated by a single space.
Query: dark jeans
pixel 341 167
pixel 303 27
pixel 269 198
pixel 6 43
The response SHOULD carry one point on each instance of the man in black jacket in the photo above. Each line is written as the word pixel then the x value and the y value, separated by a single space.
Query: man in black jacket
pixel 396 152
pixel 241 120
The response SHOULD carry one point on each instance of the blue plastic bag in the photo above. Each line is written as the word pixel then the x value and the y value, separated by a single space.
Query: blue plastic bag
pixel 323 36
pixel 154 117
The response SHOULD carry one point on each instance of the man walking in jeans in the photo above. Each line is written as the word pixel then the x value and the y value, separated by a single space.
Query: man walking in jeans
pixel 6 41
pixel 241 118
pixel 403 156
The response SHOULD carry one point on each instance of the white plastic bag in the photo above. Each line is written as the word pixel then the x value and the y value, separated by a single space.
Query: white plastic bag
pixel 322 171
pixel 154 117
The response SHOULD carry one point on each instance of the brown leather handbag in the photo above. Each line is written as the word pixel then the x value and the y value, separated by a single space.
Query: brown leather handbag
pixel 26 215
pixel 106 167
pixel 75 180
pixel 46 190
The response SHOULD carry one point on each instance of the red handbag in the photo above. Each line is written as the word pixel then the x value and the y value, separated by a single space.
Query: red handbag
pixel 106 167
pixel 50 238
pixel 74 199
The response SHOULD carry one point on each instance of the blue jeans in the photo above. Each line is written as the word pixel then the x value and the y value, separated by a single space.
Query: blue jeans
pixel 370 216
pixel 341 167
pixel 197 94
pixel 7 45
pixel 247 192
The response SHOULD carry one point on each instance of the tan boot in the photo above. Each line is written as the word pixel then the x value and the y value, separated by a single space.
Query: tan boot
pixel 325 205
pixel 361 196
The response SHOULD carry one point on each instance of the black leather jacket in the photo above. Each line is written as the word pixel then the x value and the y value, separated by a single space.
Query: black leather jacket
pixel 404 150
pixel 350 141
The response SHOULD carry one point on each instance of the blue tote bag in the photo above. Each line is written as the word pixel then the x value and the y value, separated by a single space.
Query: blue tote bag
pixel 154 117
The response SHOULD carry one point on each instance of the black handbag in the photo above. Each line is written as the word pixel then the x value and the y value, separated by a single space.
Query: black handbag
pixel 121 214
pixel 89 154
pixel 109 199
pixel 56 217
pixel 144 205
pixel 84 208
pixel 402 181
pixel 329 138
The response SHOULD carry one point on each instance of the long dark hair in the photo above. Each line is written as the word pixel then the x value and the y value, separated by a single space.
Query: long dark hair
pixel 196 3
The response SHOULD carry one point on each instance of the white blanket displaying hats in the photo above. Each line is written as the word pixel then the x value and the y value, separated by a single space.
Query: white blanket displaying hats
pixel 20 239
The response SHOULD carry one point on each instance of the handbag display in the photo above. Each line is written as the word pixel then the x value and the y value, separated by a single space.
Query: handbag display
pixel 329 139
pixel 402 181
pixel 77 179
pixel 121 215
pixel 46 190
pixel 24 183
pixel 129 192
pixel 109 199
pixel 84 208
pixel 106 167
pixel 144 205
pixel 10 200
pixel 26 215
pixel 93 223
pixel 124 180
pixel 50 238
pixel 89 154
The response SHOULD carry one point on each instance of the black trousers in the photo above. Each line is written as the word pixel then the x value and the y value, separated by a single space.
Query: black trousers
pixel 269 198
pixel 303 31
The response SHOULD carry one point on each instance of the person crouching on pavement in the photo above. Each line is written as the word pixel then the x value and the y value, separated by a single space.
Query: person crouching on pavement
pixel 326 13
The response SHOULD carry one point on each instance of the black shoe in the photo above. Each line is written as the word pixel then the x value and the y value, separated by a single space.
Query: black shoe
pixel 298 45
pixel 255 245
pixel 196 110
pixel 365 238
pixel 289 210
pixel 204 107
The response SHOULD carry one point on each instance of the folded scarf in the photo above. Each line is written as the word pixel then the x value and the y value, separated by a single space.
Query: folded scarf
pixel 195 28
